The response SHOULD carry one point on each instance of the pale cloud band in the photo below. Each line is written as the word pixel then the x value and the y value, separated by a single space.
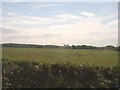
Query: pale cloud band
pixel 85 27
pixel 88 14
pixel 60 0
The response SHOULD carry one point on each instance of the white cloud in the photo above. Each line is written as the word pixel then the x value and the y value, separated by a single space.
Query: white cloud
pixel 11 13
pixel 88 14
pixel 44 5
pixel 84 31
pixel 24 20
pixel 88 31
pixel 12 19
pixel 67 16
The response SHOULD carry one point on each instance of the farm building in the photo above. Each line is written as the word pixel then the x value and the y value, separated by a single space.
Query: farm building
pixel 66 46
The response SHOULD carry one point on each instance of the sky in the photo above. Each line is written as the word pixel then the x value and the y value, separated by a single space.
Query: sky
pixel 58 23
pixel 59 0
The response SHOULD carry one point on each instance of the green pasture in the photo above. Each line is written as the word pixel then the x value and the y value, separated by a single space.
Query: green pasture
pixel 73 56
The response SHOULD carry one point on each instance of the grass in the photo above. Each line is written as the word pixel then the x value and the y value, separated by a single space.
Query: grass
pixel 74 56
pixel 59 68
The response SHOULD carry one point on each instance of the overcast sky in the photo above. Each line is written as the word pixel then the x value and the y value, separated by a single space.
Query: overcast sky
pixel 59 0
pixel 60 23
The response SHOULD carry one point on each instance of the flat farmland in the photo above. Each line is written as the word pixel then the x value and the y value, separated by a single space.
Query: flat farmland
pixel 57 55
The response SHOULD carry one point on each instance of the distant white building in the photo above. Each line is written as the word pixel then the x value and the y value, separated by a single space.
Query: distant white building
pixel 66 46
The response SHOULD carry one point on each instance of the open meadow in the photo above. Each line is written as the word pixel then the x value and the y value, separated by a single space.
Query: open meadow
pixel 59 68
pixel 56 55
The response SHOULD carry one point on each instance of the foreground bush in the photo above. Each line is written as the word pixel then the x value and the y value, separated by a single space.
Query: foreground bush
pixel 25 74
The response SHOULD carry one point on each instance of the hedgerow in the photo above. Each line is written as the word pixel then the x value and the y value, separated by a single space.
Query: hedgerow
pixel 25 74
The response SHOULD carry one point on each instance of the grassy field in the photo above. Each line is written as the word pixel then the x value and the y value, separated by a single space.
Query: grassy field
pixel 59 68
pixel 73 56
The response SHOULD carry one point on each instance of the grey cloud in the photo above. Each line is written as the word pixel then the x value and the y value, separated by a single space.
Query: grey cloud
pixel 97 33
pixel 110 18
pixel 19 37
pixel 48 35
pixel 15 38
pixel 51 35
pixel 8 31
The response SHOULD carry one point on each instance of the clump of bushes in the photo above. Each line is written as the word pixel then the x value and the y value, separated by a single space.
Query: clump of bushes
pixel 25 74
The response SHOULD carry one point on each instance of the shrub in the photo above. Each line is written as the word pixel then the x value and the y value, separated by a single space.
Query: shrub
pixel 19 74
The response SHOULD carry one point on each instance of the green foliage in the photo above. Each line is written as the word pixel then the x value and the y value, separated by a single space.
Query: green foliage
pixel 84 47
pixel 74 56
pixel 28 74
pixel 15 45
pixel 59 68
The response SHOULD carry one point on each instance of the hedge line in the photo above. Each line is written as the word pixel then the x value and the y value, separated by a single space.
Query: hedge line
pixel 25 74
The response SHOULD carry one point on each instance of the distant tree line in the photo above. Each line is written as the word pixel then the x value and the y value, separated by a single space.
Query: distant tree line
pixel 21 45
pixel 84 47
pixel 28 45
pixel 108 47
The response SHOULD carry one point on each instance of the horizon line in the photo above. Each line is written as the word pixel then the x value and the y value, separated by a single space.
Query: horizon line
pixel 62 44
